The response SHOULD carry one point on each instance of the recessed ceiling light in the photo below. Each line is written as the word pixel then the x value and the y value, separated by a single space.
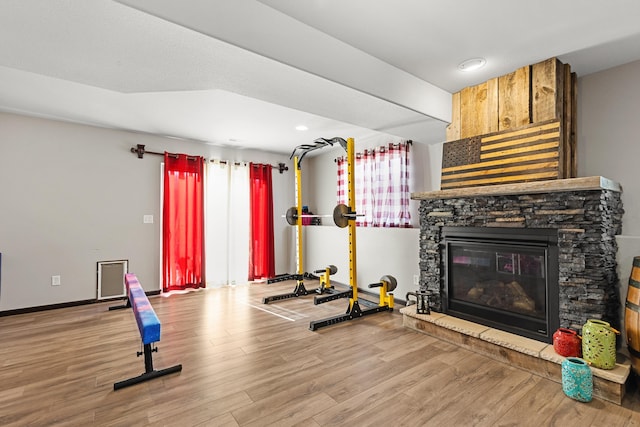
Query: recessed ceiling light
pixel 472 64
pixel 301 127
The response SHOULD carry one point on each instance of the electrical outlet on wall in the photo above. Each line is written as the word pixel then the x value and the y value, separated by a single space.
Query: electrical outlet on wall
pixel 55 280
pixel 416 279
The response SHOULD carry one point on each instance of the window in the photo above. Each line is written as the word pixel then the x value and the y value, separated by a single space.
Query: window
pixel 382 186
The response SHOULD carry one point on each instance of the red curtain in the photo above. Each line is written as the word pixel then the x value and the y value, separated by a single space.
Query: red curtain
pixel 183 222
pixel 261 248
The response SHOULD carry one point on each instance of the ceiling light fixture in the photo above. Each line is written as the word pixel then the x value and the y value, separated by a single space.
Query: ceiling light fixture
pixel 301 127
pixel 472 64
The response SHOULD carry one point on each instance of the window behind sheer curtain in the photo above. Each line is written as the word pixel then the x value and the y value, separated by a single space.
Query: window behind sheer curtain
pixel 227 224
pixel 382 186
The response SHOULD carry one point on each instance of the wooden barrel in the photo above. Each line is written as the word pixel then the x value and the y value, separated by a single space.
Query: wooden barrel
pixel 632 315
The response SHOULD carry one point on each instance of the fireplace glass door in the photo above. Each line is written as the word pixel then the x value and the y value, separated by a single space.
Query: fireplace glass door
pixel 501 281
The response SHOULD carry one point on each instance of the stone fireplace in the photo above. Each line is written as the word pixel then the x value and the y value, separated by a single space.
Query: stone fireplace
pixel 561 284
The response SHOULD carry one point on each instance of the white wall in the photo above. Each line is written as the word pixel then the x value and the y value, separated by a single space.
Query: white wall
pixel 608 134
pixel 380 251
pixel 73 195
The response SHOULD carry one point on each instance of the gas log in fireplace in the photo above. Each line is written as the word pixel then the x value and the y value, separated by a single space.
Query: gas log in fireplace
pixel 504 278
pixel 526 258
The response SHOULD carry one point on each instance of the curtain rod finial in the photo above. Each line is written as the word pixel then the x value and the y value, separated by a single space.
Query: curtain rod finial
pixel 139 149
pixel 282 167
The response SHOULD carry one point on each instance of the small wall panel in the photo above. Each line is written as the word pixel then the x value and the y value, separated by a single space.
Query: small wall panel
pixel 111 279
pixel 529 153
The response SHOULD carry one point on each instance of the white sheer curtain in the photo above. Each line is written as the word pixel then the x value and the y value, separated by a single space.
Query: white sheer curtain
pixel 227 224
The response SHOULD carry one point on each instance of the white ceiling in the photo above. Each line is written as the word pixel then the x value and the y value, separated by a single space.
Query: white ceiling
pixel 245 73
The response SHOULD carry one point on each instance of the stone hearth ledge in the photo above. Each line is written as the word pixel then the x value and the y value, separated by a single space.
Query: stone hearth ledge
pixel 551 186
pixel 542 359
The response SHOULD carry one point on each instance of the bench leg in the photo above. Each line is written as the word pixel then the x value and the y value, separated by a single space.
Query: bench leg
pixel 120 307
pixel 149 373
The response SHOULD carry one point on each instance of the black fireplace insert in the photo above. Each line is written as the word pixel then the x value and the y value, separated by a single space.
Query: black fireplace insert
pixel 506 278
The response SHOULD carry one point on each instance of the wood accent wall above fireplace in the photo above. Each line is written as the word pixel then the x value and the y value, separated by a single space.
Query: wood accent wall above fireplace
pixel 511 108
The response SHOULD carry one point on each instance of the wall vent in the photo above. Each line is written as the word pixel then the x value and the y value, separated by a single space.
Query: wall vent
pixel 111 279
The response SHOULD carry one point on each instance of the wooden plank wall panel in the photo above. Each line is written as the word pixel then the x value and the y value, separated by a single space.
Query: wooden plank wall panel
pixel 473 111
pixel 513 99
pixel 546 90
pixel 573 141
pixel 493 99
pixel 453 130
pixel 472 104
pixel 567 116
pixel 530 153
pixel 478 110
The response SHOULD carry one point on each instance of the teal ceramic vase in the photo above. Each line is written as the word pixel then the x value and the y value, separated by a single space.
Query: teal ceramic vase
pixel 577 379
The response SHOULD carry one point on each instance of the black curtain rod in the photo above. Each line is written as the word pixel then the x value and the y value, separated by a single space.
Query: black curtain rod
pixel 281 166
pixel 409 142
pixel 140 151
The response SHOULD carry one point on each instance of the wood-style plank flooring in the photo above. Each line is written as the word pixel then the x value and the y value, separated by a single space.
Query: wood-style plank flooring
pixel 249 364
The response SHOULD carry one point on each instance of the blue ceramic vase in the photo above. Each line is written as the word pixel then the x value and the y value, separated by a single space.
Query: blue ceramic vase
pixel 577 379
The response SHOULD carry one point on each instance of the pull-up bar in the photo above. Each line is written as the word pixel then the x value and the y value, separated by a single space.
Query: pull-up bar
pixel 304 149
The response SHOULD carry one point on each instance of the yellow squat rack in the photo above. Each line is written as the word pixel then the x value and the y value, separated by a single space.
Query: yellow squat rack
pixel 386 284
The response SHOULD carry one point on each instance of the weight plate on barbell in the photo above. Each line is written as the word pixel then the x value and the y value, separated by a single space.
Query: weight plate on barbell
pixel 391 282
pixel 292 215
pixel 339 215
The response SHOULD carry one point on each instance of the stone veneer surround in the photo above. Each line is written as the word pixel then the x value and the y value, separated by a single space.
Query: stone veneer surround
pixel 587 212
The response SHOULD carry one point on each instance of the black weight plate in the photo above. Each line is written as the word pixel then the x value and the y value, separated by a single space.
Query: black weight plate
pixel 391 282
pixel 339 217
pixel 292 215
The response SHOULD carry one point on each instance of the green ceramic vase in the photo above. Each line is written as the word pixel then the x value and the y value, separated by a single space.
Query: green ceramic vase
pixel 599 344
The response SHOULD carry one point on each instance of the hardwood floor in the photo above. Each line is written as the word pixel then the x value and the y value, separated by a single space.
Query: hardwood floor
pixel 249 364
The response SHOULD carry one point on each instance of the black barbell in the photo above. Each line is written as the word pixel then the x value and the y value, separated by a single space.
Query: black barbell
pixel 332 270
